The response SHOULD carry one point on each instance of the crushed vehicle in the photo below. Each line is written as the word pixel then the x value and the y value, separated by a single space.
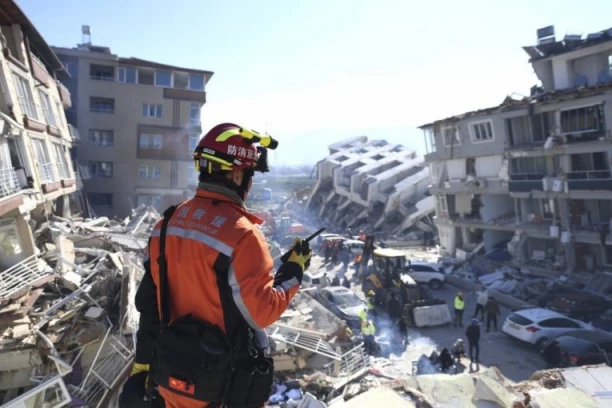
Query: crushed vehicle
pixel 583 347
pixel 343 303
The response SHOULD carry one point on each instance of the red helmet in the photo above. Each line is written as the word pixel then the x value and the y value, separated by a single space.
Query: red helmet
pixel 228 146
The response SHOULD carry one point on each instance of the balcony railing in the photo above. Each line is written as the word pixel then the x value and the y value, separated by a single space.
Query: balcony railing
pixel 591 180
pixel 20 276
pixel 102 109
pixel 589 175
pixel 9 183
pixel 109 78
pixel 64 170
pixel 47 173
pixel 525 182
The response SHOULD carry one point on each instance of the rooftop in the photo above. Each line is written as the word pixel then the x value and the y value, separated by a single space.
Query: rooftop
pixel 549 47
pixel 12 14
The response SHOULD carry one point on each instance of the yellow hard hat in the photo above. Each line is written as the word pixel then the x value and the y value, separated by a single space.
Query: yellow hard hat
pixel 371 293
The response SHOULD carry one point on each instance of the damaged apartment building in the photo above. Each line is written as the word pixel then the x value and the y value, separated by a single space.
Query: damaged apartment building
pixel 140 122
pixel 373 185
pixel 533 176
pixel 36 175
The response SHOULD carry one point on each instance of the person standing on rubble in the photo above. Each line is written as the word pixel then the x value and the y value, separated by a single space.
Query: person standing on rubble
pixel 346 283
pixel 336 281
pixel 459 304
pixel 368 331
pixel 208 290
pixel 481 301
pixel 492 309
pixel 473 337
pixel 371 304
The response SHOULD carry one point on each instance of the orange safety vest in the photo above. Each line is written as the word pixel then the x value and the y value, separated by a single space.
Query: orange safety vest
pixel 199 230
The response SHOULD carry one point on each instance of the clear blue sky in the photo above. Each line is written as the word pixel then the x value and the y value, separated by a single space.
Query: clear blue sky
pixel 313 72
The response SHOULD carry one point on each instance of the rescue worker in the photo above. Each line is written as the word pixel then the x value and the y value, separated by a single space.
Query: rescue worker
pixel 492 310
pixel 214 257
pixel 394 308
pixel 459 308
pixel 371 303
pixel 363 314
pixel 346 283
pixel 335 281
pixel 473 337
pixel 481 301
pixel 402 326
pixel 368 331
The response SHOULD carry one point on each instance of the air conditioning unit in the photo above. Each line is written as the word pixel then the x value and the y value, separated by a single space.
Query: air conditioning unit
pixel 557 185
pixel 547 184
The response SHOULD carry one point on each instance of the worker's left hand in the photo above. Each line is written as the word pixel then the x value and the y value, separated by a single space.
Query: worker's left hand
pixel 134 389
pixel 300 253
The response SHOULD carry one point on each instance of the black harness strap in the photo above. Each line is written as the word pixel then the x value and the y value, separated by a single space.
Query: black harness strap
pixel 236 328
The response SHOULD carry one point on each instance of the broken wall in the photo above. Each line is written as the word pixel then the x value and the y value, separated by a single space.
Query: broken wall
pixel 493 237
pixel 488 166
pixel 495 205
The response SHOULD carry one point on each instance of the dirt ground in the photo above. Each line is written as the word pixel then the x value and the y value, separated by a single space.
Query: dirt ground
pixel 516 360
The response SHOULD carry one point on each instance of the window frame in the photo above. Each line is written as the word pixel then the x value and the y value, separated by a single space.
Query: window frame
pixel 597 107
pixel 163 86
pixel 98 166
pixel 192 121
pixel 10 224
pixel 24 91
pixel 98 110
pixel 124 69
pixel 158 110
pixel 196 89
pixel 475 124
pixel 47 108
pixel 107 195
pixel 101 132
pixel 456 138
pixel 154 170
pixel 155 200
pixel 151 141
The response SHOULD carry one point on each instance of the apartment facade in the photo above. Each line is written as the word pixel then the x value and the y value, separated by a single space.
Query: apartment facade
pixel 36 175
pixel 374 185
pixel 534 175
pixel 139 121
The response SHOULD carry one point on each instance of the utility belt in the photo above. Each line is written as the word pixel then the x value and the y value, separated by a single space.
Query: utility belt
pixel 195 359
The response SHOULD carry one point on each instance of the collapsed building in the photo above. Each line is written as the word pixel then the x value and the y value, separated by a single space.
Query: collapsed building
pixel 373 185
pixel 533 175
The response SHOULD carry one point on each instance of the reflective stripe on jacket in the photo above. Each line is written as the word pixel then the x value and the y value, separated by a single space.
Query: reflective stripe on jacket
pixel 459 303
pixel 368 329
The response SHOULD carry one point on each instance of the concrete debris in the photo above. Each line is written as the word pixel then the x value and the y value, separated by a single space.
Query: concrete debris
pixel 67 317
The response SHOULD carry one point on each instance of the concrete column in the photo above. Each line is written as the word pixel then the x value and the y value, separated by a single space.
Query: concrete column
pixel 465 236
pixel 517 211
pixel 62 207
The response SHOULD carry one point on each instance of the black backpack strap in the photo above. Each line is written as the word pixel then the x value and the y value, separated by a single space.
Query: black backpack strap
pixel 163 269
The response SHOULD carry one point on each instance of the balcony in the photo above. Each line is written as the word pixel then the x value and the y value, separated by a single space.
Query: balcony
pixel 32 116
pixel 185 95
pixel 525 183
pixel 74 132
pixel 65 96
pixel 19 278
pixel 593 180
pixel 49 180
pixel 9 187
pixel 39 71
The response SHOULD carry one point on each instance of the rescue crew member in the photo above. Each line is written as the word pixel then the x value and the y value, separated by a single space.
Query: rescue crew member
pixel 368 331
pixel 459 308
pixel 370 301
pixel 212 225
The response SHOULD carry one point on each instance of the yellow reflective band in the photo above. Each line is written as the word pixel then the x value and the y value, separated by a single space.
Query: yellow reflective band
pixel 216 159
pixel 227 134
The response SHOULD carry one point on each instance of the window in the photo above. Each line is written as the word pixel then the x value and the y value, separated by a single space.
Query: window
pixel 450 135
pixel 72 68
pixel 101 169
pixel 127 75
pixel 62 163
pixel 482 131
pixel 559 322
pixel 61 119
pixel 101 105
pixel 151 111
pixel 102 72
pixel 580 120
pixel 26 100
pixel 150 141
pixel 43 162
pixel 47 109
pixel 193 176
pixel 10 243
pixel 163 78
pixel 101 137
pixel 100 199
pixel 149 200
pixel 194 114
pixel 149 172
pixel 196 82
pixel 528 165
pixel 194 138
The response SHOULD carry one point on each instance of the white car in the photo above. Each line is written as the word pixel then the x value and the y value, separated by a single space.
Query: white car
pixel 536 325
pixel 427 273
pixel 354 245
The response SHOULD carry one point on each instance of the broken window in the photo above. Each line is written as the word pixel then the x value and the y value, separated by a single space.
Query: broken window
pixel 102 72
pixel 519 131
pixel 470 166
pixel 101 137
pixel 101 105
pixel 450 135
pixel 482 131
pixel 100 199
pixel 101 169
pixel 10 243
pixel 11 43
pixel 581 120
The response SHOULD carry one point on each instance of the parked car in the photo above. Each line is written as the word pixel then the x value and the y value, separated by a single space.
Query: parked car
pixel 342 302
pixel 310 280
pixel 537 325
pixel 603 322
pixel 582 347
pixel 427 273
pixel 580 305
pixel 354 245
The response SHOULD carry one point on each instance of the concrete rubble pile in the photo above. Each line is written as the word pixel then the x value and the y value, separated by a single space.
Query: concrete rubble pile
pixel 67 317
